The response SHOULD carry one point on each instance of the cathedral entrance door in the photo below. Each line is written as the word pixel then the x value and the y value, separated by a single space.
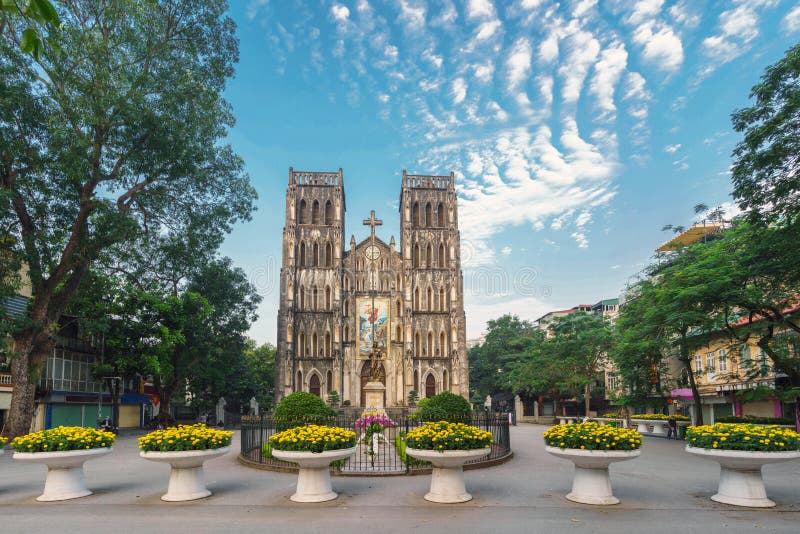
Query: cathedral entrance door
pixel 365 371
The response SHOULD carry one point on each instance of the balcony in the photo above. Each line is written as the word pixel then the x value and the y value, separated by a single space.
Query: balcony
pixel 5 381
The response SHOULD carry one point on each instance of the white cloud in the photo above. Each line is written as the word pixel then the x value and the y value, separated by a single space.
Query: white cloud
pixel 458 89
pixel 583 7
pixel 738 27
pixel 506 251
pixel 488 29
pixel 682 14
pixel 583 219
pixel 580 239
pixel 662 47
pixel 500 114
pixel 484 71
pixel 518 63
pixel 635 87
pixel 671 149
pixel 583 49
pixel 413 14
pixel 644 10
pixel 254 7
pixel 383 97
pixel 477 9
pixel 608 70
pixel 791 22
pixel 340 12
pixel 548 49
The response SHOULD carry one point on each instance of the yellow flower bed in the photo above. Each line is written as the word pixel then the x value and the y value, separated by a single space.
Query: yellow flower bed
pixel 3 441
pixel 313 438
pixel 446 436
pixel 659 417
pixel 197 437
pixel 743 437
pixel 63 438
pixel 593 437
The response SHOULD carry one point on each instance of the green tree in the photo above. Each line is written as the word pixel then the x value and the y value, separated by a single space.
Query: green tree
pixel 766 170
pixel 507 340
pixel 98 144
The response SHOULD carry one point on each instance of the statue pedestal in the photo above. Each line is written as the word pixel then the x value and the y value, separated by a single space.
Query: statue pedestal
pixel 374 396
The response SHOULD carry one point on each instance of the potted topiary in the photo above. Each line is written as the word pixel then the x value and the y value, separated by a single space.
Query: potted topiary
pixel 313 448
pixel 592 448
pixel 333 399
pixel 448 446
pixel 741 451
pixel 185 448
pixel 63 450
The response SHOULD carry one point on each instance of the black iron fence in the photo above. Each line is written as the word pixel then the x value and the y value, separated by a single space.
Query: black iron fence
pixel 386 453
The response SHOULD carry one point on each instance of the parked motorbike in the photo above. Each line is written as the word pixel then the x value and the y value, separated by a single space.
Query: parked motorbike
pixel 106 425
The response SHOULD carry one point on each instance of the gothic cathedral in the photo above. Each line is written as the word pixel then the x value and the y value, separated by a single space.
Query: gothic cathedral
pixel 337 304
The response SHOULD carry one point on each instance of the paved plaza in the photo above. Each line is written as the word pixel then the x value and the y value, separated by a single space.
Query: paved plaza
pixel 665 490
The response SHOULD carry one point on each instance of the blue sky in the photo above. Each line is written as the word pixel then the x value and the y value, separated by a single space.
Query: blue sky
pixel 576 129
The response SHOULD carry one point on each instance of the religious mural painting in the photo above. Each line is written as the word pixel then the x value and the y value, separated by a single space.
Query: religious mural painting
pixel 370 316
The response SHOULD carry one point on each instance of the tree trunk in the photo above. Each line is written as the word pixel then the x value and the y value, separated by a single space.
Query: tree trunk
pixel 114 391
pixel 698 408
pixel 31 350
pixel 587 393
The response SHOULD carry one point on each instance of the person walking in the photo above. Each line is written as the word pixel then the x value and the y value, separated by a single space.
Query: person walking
pixel 673 428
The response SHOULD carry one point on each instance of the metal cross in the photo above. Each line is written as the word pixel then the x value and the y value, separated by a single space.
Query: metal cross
pixel 372 222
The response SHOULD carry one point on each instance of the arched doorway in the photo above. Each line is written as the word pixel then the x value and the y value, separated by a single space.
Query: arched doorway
pixel 430 386
pixel 365 370
pixel 313 385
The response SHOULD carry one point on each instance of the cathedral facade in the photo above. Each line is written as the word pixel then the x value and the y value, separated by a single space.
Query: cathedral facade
pixel 338 302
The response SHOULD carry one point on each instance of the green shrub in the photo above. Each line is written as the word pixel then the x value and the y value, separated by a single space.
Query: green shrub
pixel 755 420
pixel 300 408
pixel 423 402
pixel 400 445
pixel 446 406
pixel 433 413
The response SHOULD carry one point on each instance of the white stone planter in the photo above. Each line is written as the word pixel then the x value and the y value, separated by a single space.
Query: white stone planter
pixel 740 480
pixel 186 479
pixel 64 472
pixel 591 483
pixel 658 428
pixel 642 425
pixel 447 479
pixel 314 478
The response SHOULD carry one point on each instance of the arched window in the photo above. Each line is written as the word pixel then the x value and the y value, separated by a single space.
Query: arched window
pixel 429 303
pixel 442 344
pixel 314 297
pixel 346 333
pixel 302 298
pixel 445 381
pixel 430 344
pixel 429 256
pixel 398 334
pixel 442 259
pixel 314 345
pixel 418 344
pixel 440 214
pixel 328 255
pixel 301 256
pixel 329 382
pixel 327 344
pixel 313 385
pixel 442 300
pixel 316 256
pixel 327 297
pixel 328 213
pixel 301 344
pixel 301 213
pixel 299 385
pixel 416 256
pixel 415 214
pixel 346 307
pixel 398 308
pixel 315 212
pixel 398 282
pixel 347 283
pixel 428 215
pixel 416 381
pixel 416 299
pixel 430 386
